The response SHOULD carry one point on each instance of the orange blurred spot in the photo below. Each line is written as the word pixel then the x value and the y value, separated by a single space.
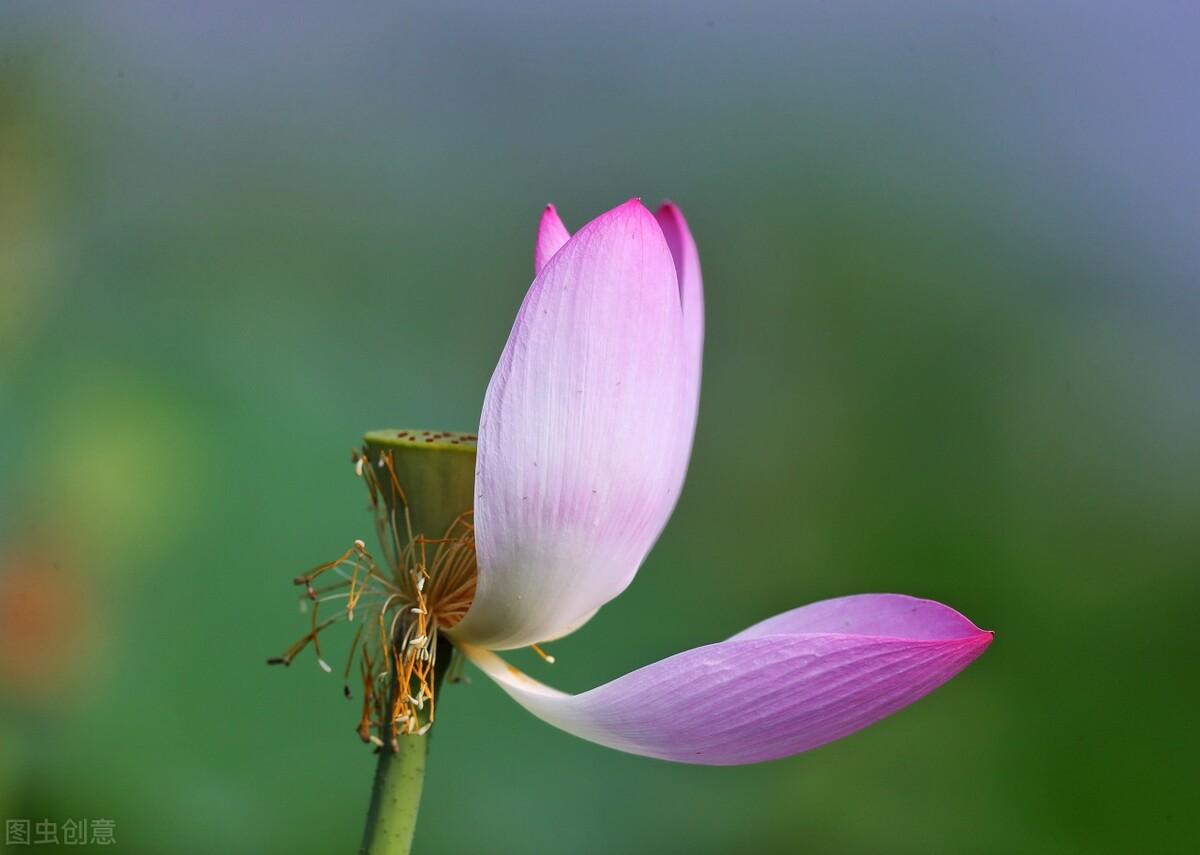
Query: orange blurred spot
pixel 42 623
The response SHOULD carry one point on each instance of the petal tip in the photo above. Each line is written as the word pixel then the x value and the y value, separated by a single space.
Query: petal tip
pixel 631 213
pixel 551 236
pixel 633 205
pixel 972 645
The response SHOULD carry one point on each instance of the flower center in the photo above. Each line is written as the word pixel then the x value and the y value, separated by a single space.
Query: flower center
pixel 420 485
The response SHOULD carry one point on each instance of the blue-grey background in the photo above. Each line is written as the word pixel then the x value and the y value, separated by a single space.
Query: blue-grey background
pixel 951 262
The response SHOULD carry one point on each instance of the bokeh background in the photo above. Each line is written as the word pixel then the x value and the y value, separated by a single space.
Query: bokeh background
pixel 952 265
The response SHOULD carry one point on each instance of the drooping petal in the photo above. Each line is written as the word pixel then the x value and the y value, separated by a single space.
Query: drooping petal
pixel 691 297
pixel 551 236
pixel 789 684
pixel 576 472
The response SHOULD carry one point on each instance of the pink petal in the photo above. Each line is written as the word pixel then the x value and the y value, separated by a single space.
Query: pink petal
pixel 580 436
pixel 789 684
pixel 691 296
pixel 551 236
pixel 895 615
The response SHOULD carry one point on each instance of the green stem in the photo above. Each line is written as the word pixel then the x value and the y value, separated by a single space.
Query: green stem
pixel 396 797
pixel 434 473
pixel 399 779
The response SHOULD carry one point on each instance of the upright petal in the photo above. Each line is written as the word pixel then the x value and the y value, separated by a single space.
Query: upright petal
pixel 551 236
pixel 576 473
pixel 787 685
pixel 691 298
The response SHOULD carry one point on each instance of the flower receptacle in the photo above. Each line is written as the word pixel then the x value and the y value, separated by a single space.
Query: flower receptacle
pixel 434 476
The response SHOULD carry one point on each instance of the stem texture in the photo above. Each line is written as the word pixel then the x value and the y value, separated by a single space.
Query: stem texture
pixel 396 797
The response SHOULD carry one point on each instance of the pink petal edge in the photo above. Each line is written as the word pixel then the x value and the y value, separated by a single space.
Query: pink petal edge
pixel 691 298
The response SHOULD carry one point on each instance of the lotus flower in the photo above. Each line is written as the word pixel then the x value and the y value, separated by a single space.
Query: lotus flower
pixel 582 450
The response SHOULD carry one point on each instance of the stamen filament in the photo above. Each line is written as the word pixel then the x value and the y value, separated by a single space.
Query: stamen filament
pixel 422 586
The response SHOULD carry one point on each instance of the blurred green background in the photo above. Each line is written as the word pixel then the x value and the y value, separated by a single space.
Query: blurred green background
pixel 951 268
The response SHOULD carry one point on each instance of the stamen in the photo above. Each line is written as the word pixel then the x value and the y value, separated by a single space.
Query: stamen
pixel 542 653
pixel 422 586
